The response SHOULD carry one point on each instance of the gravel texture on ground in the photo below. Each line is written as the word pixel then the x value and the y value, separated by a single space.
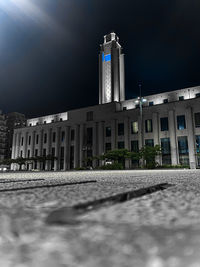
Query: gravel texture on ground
pixel 161 229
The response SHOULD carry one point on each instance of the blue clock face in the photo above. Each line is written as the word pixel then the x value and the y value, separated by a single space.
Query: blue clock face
pixel 106 57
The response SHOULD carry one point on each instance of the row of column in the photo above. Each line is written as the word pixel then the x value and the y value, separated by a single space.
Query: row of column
pixel 99 140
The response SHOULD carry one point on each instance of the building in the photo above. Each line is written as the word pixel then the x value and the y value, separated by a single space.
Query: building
pixel 13 120
pixel 3 129
pixel 171 119
pixel 7 124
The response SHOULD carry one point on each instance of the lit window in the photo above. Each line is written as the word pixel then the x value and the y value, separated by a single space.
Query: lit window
pixel 148 126
pixel 164 124
pixel 181 122
pixel 134 127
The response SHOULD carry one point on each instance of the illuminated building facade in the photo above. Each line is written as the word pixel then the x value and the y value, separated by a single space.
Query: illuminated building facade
pixel 170 119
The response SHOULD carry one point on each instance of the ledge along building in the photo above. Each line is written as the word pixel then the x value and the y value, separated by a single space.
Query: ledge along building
pixel 170 119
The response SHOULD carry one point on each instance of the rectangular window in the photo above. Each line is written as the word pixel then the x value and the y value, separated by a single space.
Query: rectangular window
pixel 62 154
pixel 120 129
pixel 197 119
pixel 36 152
pixel 89 136
pixel 44 152
pixel 28 153
pixel 197 95
pixel 45 138
pixel 181 98
pixel 182 145
pixel 121 145
pixel 148 126
pixel 37 139
pixel 198 143
pixel 183 150
pixel 54 137
pixel 29 140
pixel 164 124
pixel 22 141
pixel 198 149
pixel 181 122
pixel 62 136
pixel 108 131
pixel 134 127
pixel 72 134
pixel 149 142
pixel 166 151
pixel 53 151
pixel 89 116
pixel 165 100
pixel 107 147
pixel 151 103
pixel 134 146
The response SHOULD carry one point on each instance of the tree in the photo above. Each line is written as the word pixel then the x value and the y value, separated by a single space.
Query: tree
pixel 117 155
pixel 148 154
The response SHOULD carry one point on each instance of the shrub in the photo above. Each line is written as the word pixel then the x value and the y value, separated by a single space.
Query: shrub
pixel 113 166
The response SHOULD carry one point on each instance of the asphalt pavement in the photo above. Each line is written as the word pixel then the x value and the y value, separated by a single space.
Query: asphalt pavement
pixel 100 219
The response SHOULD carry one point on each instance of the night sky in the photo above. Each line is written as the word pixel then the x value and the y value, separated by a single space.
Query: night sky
pixel 49 50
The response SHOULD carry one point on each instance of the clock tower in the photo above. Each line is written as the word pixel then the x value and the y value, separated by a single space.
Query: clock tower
pixel 111 70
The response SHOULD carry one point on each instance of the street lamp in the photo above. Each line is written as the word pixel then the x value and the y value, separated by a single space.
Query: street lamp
pixel 141 100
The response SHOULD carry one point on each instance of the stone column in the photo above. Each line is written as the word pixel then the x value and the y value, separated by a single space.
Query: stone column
pixel 81 142
pixel 18 145
pixel 32 144
pixel 101 142
pixel 156 134
pixel 127 139
pixel 191 138
pixel 173 141
pixel 14 145
pixel 40 146
pixel 67 149
pixel 57 149
pixel 76 146
pixel 113 134
pixel 49 142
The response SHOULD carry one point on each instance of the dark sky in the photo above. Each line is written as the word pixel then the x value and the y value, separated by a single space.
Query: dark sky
pixel 49 49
